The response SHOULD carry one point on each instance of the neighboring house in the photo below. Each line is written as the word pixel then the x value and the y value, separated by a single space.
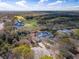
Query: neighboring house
pixel 44 35
pixel 65 32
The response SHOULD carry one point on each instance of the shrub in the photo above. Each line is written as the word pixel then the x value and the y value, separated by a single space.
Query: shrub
pixel 23 52
pixel 76 32
pixel 46 57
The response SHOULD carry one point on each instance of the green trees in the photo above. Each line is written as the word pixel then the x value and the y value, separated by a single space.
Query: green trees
pixel 23 52
pixel 76 32
pixel 31 24
pixel 46 57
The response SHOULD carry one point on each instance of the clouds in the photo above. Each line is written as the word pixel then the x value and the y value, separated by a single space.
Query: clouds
pixel 50 6
pixel 55 3
pixel 72 8
pixel 42 1
pixel 18 5
pixel 5 6
pixel 23 5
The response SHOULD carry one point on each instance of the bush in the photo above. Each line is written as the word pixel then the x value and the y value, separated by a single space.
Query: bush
pixel 23 52
pixel 76 32
pixel 46 57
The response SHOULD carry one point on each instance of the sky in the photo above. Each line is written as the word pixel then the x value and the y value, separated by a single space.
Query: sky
pixel 38 5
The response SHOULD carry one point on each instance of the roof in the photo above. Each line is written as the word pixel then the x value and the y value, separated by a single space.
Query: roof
pixel 44 35
pixel 18 24
pixel 19 17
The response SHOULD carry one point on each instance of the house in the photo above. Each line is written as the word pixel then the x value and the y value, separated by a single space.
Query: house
pixel 18 21
pixel 44 35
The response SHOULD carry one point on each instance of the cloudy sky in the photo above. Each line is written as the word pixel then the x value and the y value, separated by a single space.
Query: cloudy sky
pixel 32 5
